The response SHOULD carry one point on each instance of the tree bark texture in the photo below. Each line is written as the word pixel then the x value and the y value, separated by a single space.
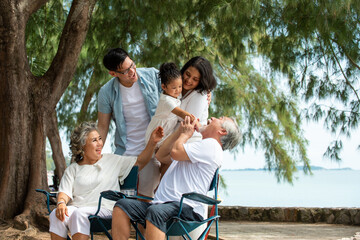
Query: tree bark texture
pixel 27 101
pixel 92 88
pixel 52 133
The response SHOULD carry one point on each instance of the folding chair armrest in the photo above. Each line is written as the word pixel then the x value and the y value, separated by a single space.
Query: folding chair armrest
pixel 48 196
pixel 201 198
pixel 112 195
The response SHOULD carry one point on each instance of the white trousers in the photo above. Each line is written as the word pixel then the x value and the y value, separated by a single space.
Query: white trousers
pixel 77 222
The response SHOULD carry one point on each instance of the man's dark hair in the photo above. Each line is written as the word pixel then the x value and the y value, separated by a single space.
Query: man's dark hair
pixel 115 58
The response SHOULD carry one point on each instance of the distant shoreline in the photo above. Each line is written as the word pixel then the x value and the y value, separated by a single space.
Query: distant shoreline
pixel 346 216
pixel 313 168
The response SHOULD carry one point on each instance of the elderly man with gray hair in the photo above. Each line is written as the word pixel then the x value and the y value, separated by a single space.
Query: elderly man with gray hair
pixel 191 167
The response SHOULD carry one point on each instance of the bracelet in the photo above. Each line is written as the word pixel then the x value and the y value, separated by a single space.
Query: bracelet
pixel 60 202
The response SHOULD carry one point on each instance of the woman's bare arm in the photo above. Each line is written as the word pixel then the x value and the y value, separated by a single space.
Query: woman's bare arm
pixel 148 152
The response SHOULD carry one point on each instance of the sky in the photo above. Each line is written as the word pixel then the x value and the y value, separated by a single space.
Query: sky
pixel 319 139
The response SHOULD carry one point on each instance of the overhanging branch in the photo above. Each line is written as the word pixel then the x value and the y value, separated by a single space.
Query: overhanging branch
pixel 342 71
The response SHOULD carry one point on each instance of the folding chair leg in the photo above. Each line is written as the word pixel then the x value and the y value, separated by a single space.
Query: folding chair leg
pixel 137 231
pixel 217 229
pixel 187 234
pixel 108 235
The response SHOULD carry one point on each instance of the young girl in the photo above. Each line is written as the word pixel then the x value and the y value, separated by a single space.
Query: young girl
pixel 168 109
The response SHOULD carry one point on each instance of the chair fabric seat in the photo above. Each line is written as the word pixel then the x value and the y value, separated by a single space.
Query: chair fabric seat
pixel 97 222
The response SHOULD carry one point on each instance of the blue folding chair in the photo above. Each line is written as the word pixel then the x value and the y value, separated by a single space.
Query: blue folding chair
pixel 98 224
pixel 179 227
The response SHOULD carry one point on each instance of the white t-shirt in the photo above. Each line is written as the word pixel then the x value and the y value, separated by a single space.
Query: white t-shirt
pixel 164 117
pixel 196 104
pixel 191 176
pixel 83 183
pixel 136 118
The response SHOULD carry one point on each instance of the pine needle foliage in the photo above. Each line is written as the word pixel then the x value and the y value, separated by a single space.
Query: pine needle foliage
pixel 308 51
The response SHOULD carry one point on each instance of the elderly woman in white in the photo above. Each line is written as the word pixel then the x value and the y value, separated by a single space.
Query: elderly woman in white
pixel 91 173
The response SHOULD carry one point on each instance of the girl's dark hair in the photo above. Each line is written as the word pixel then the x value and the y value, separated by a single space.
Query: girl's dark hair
pixel 168 72
pixel 114 58
pixel 207 79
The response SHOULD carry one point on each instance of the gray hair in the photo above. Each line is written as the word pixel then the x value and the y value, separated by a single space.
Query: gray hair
pixel 78 139
pixel 233 136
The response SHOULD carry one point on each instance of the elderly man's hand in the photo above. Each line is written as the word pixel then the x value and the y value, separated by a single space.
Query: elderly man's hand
pixel 157 134
pixel 187 127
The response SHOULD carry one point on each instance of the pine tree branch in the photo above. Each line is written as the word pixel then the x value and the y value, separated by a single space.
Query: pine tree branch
pixel 342 71
pixel 340 110
pixel 346 54
pixel 226 70
pixel 185 39
pixel 351 60
pixel 324 54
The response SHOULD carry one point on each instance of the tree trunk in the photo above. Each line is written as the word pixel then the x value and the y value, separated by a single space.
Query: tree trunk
pixel 25 102
pixel 52 133
pixel 93 88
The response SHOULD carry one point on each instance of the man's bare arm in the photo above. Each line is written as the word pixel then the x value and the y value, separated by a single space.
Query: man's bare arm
pixel 186 129
pixel 163 154
pixel 103 124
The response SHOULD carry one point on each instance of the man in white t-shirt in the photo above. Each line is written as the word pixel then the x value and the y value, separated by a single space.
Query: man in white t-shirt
pixel 191 167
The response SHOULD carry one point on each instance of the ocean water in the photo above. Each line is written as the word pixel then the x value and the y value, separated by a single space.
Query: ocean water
pixel 325 188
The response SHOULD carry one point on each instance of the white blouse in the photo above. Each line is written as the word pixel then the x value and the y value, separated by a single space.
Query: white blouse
pixel 83 183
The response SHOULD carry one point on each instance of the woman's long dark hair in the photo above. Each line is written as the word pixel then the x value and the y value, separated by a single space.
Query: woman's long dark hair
pixel 207 79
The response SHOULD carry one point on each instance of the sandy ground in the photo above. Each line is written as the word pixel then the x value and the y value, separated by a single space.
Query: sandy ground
pixel 8 231
pixel 286 231
pixel 229 230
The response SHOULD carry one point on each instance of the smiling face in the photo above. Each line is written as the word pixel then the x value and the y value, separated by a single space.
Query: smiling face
pixel 173 88
pixel 214 127
pixel 92 148
pixel 191 79
pixel 126 73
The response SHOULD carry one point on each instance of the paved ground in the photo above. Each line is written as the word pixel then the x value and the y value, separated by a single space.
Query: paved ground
pixel 298 231
pixel 233 230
